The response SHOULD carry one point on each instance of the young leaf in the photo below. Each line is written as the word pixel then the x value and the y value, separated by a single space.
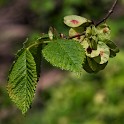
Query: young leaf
pixel 53 34
pixel 66 54
pixel 50 33
pixel 35 46
pixel 75 21
pixel 22 80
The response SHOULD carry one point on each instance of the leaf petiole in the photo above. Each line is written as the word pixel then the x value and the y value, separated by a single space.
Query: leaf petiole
pixel 37 43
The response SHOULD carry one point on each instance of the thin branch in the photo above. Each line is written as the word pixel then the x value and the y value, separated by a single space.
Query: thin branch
pixel 108 14
pixel 104 19
pixel 37 43
pixel 78 35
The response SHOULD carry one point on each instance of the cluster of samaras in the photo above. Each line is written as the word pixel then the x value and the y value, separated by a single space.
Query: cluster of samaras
pixel 95 40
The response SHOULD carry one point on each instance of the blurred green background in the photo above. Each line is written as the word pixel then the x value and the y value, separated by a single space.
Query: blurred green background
pixel 61 97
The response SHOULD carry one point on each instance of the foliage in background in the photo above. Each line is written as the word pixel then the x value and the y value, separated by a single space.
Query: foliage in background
pixel 3 2
pixel 4 98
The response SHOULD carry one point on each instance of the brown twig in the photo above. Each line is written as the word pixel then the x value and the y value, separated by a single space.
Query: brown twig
pixel 108 14
pixel 101 21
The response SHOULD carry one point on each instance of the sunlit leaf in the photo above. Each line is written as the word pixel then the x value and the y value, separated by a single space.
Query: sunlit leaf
pixel 22 80
pixel 66 54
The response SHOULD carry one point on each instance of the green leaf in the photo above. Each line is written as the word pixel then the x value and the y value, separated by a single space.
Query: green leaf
pixel 97 59
pixel 36 53
pixel 92 64
pixel 111 45
pixel 86 67
pixel 66 54
pixel 35 46
pixel 94 30
pixel 88 31
pixel 116 50
pixel 102 66
pixel 22 80
pixel 112 53
pixel 75 21
pixel 95 66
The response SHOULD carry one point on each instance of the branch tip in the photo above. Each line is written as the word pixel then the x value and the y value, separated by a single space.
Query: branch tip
pixel 108 14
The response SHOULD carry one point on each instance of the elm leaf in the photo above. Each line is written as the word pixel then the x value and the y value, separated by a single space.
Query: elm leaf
pixel 22 80
pixel 65 54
